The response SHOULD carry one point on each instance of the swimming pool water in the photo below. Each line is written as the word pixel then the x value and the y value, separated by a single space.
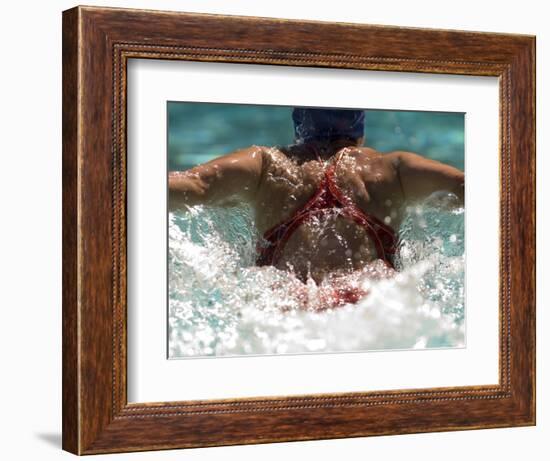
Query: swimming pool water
pixel 221 304
pixel 198 132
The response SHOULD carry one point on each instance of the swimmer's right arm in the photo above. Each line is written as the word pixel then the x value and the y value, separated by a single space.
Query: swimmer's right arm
pixel 420 176
pixel 221 181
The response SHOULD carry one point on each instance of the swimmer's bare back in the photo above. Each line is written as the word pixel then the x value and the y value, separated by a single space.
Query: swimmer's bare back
pixel 277 183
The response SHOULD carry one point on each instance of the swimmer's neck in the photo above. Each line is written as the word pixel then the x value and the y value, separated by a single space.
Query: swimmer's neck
pixel 326 149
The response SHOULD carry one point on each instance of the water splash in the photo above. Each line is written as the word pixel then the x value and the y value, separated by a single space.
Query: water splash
pixel 221 304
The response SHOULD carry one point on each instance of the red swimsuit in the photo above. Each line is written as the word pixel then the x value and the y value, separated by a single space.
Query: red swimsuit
pixel 326 199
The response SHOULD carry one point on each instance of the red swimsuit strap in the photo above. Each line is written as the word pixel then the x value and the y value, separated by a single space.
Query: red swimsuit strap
pixel 327 197
pixel 383 235
pixel 278 235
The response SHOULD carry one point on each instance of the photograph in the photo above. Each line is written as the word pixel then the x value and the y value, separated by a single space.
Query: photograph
pixel 295 230
pixel 267 233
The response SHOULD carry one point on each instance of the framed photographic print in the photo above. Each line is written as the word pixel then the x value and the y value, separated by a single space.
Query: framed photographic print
pixel 282 230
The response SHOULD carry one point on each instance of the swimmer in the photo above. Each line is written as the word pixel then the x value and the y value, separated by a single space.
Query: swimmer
pixel 325 205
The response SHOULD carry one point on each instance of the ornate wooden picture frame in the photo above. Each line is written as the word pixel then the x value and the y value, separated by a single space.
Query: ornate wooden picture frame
pixel 97 44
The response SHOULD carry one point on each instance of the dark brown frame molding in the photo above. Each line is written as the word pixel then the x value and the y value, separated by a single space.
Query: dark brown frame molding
pixel 97 43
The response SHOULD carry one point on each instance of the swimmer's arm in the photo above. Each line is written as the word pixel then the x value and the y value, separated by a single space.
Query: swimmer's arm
pixel 222 181
pixel 421 176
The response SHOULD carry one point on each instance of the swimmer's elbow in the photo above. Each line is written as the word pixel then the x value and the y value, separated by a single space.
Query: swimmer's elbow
pixel 460 187
pixel 420 176
pixel 185 190
pixel 452 183
pixel 455 185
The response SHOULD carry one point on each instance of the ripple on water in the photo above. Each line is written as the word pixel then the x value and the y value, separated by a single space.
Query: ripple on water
pixel 220 303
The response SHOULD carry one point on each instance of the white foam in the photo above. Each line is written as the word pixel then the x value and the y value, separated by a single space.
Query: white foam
pixel 221 304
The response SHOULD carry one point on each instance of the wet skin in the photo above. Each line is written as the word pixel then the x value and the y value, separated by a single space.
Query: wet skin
pixel 277 182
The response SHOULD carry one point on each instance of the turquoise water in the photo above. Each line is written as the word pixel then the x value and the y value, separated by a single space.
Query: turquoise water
pixel 198 132
pixel 221 304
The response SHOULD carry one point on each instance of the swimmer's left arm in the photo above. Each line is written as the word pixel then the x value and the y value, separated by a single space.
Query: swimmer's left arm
pixel 225 180
pixel 421 176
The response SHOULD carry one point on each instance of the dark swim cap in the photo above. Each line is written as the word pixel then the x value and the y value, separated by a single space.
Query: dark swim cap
pixel 327 124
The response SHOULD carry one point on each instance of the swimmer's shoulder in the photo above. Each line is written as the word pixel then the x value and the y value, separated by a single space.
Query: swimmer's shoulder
pixel 265 152
pixel 277 157
pixel 262 156
pixel 273 160
pixel 365 154
pixel 392 158
pixel 380 167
